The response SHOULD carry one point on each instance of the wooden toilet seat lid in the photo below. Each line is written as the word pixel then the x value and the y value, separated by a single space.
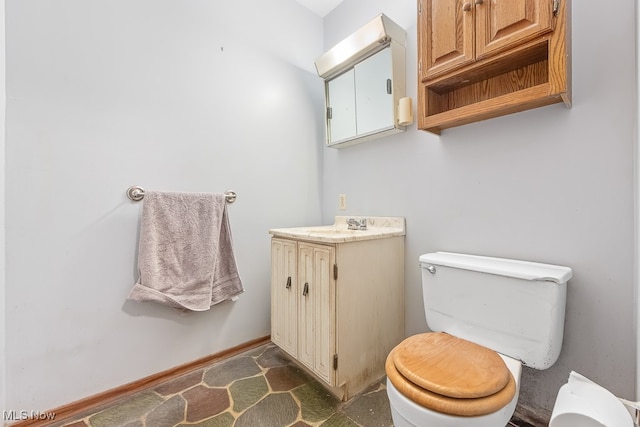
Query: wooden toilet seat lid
pixel 470 406
pixel 451 366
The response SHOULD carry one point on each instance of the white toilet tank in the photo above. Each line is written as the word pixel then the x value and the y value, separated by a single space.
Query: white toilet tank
pixel 513 307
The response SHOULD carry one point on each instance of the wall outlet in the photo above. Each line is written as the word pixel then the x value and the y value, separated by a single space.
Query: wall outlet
pixel 342 202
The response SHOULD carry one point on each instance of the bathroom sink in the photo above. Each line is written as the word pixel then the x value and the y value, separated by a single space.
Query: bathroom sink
pixel 377 228
pixel 329 229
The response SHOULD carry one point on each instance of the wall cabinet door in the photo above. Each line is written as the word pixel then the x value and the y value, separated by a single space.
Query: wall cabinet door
pixel 446 34
pixel 502 23
pixel 284 295
pixel 457 32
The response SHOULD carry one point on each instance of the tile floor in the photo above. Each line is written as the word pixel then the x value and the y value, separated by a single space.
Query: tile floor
pixel 259 388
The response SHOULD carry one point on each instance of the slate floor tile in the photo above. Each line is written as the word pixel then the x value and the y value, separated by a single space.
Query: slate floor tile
pixel 275 410
pixel 204 402
pixel 246 392
pixel 224 373
pixel 261 387
pixel 316 402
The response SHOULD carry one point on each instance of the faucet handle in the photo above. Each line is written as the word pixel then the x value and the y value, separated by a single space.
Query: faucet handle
pixel 357 224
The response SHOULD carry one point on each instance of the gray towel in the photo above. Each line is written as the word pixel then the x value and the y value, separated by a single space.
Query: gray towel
pixel 185 257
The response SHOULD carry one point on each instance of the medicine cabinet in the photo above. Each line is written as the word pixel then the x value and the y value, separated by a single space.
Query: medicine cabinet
pixel 364 82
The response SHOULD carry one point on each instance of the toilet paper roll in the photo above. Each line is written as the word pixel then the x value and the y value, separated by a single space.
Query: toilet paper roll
pixel 405 113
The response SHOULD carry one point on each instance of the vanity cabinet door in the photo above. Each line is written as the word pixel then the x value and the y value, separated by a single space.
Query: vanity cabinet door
pixel 284 295
pixel 317 310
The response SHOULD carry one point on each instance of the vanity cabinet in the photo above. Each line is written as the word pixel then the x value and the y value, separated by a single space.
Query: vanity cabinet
pixel 480 59
pixel 338 308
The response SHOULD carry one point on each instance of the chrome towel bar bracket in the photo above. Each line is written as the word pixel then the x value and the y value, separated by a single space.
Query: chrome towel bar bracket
pixel 136 194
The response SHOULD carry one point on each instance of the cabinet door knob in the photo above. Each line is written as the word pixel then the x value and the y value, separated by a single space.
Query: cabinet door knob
pixel 288 285
pixel 305 290
pixel 479 1
pixel 466 7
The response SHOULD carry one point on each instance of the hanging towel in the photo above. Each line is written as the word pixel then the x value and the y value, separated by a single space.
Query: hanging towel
pixel 185 254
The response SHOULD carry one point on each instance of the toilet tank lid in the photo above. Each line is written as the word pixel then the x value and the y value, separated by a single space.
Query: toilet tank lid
pixel 501 266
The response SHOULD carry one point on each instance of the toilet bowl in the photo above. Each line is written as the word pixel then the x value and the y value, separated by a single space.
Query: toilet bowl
pixel 583 403
pixel 487 316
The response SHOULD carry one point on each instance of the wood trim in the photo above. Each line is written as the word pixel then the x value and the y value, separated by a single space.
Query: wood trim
pixel 92 402
pixel 515 102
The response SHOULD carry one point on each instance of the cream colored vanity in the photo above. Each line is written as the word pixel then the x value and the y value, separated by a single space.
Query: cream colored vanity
pixel 337 299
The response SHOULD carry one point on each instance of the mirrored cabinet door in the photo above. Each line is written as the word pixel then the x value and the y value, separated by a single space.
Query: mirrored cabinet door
pixel 360 101
pixel 374 93
pixel 341 101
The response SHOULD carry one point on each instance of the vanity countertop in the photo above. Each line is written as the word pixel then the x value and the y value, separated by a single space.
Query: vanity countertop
pixel 377 228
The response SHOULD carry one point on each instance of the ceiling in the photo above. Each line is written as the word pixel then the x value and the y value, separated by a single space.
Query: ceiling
pixel 320 7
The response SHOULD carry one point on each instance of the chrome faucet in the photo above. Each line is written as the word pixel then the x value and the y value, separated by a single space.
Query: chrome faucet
pixel 357 224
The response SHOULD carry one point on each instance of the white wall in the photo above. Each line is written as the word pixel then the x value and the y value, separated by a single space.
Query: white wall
pixel 183 96
pixel 637 200
pixel 550 185
pixel 3 376
pixel 206 96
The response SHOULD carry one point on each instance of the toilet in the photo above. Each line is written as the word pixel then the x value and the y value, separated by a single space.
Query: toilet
pixel 488 316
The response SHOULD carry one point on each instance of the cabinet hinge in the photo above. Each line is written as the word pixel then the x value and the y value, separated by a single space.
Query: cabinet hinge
pixel 420 67
pixel 335 271
pixel 329 114
pixel 556 7
pixel 335 362
pixel 419 8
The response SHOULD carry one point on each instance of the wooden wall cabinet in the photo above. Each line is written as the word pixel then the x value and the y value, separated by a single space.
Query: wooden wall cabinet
pixel 480 59
pixel 338 309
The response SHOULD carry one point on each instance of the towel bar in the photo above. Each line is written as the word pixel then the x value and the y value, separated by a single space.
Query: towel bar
pixel 136 194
